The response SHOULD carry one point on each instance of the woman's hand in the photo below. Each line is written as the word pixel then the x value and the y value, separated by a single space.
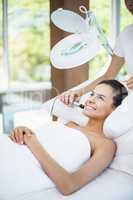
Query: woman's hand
pixel 18 133
pixel 33 144
pixel 30 139
pixel 70 96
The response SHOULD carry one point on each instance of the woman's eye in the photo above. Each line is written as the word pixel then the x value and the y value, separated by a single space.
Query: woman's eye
pixel 100 97
pixel 91 93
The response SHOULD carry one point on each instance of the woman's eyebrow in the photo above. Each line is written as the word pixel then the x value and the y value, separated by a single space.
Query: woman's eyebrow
pixel 102 95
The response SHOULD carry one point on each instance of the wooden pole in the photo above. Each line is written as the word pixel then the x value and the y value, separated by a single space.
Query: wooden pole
pixel 63 80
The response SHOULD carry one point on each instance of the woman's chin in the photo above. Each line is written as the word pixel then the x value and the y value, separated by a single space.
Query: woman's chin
pixel 89 114
pixel 93 115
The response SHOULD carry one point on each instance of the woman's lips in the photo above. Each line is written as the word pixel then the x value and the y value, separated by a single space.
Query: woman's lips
pixel 89 107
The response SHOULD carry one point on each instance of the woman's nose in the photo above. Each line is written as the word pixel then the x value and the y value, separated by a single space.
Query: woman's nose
pixel 91 99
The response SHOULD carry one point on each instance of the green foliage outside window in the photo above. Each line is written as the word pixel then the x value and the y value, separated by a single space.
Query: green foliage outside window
pixel 102 10
pixel 29 40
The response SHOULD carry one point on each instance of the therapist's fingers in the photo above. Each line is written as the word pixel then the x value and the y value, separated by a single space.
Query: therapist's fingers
pixel 65 98
pixel 129 82
pixel 130 86
pixel 69 97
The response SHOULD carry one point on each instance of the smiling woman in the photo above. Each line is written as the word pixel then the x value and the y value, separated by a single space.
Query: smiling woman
pixel 104 99
pixel 49 151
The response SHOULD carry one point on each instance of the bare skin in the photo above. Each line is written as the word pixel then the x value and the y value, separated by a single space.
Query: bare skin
pixel 98 106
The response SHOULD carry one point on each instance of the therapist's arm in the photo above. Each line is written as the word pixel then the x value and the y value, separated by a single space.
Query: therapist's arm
pixel 113 69
pixel 68 183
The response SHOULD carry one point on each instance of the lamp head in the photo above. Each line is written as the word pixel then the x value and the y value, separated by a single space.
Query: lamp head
pixel 81 46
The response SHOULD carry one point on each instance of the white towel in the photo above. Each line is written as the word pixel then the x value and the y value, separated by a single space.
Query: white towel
pixel 20 172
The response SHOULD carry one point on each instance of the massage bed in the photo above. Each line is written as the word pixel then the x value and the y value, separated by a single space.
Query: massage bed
pixel 116 182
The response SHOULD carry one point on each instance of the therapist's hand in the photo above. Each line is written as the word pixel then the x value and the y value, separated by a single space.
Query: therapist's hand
pixel 70 96
pixel 18 133
pixel 129 82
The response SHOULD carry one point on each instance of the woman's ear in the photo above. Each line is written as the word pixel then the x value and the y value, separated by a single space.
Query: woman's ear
pixel 113 107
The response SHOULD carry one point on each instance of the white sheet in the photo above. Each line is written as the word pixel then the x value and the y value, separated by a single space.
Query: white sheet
pixel 20 172
pixel 110 185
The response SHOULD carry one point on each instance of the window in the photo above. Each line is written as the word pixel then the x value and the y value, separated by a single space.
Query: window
pixel 1 47
pixel 24 57
pixel 28 40
pixel 0 37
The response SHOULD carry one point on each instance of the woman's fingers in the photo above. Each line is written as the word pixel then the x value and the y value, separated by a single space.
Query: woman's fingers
pixel 28 137
pixel 18 134
pixel 12 137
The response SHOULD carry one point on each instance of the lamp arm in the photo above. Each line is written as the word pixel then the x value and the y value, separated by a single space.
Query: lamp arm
pixel 91 21
pixel 103 39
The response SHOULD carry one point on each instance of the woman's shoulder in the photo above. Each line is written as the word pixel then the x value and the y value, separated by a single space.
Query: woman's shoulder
pixel 97 138
pixel 98 141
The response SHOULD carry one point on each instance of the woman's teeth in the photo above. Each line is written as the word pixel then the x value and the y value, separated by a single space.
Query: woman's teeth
pixel 90 108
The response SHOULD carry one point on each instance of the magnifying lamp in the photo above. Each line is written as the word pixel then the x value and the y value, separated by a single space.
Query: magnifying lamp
pixel 85 42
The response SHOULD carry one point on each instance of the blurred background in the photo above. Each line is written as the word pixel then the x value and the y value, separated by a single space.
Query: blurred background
pixel 29 38
pixel 25 42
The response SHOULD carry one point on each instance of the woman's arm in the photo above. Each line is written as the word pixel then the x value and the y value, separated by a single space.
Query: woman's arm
pixel 68 183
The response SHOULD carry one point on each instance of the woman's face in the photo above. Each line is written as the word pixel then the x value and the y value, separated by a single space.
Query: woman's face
pixel 129 5
pixel 100 103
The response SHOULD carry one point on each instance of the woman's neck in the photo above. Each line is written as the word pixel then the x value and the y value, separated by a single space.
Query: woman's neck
pixel 95 126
